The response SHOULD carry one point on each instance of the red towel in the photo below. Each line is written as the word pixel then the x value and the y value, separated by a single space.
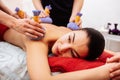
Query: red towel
pixel 60 64
pixel 3 28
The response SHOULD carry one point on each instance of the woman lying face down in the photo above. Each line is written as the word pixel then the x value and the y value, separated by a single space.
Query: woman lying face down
pixel 85 43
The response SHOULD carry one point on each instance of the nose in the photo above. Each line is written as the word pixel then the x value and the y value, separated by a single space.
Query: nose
pixel 64 48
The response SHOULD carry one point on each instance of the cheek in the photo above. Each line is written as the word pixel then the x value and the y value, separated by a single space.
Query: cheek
pixel 83 52
pixel 55 46
pixel 65 54
pixel 84 55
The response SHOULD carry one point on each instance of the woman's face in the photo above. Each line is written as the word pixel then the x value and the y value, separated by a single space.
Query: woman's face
pixel 73 44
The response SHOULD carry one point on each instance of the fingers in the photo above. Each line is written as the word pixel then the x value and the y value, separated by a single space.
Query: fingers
pixel 115 71
pixel 32 33
pixel 115 74
pixel 15 15
pixel 33 29
pixel 115 58
pixel 29 35
pixel 80 23
pixel 116 78
pixel 72 19
pixel 114 68
pixel 25 15
pixel 43 14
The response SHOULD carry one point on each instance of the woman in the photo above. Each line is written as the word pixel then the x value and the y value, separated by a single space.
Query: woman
pixel 62 46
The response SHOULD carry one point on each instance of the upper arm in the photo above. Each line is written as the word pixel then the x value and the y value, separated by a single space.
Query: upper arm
pixel 37 51
pixel 15 38
pixel 37 60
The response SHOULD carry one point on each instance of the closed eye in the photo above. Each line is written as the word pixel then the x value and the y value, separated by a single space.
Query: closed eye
pixel 69 39
pixel 73 54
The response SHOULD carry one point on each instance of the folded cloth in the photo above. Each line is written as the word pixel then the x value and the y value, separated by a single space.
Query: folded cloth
pixel 62 64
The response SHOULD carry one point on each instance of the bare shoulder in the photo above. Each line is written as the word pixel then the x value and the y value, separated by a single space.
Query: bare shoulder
pixel 50 28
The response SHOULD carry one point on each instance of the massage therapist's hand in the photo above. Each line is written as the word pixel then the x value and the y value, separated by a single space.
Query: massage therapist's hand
pixel 115 58
pixel 72 19
pixel 29 28
pixel 115 71
pixel 17 16
pixel 43 14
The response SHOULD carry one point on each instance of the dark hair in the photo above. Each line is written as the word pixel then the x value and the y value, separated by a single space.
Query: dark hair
pixel 96 44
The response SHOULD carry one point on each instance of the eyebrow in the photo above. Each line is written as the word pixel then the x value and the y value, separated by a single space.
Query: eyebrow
pixel 73 37
pixel 75 52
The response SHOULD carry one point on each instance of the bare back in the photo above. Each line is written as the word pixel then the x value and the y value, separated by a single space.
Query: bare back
pixel 52 34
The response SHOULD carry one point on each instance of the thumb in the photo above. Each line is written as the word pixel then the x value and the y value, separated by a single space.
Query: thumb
pixel 107 60
pixel 72 19
pixel 114 59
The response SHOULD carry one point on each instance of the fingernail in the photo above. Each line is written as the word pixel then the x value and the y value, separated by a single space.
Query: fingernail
pixel 111 75
pixel 36 36
pixel 42 35
pixel 111 70
pixel 44 28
